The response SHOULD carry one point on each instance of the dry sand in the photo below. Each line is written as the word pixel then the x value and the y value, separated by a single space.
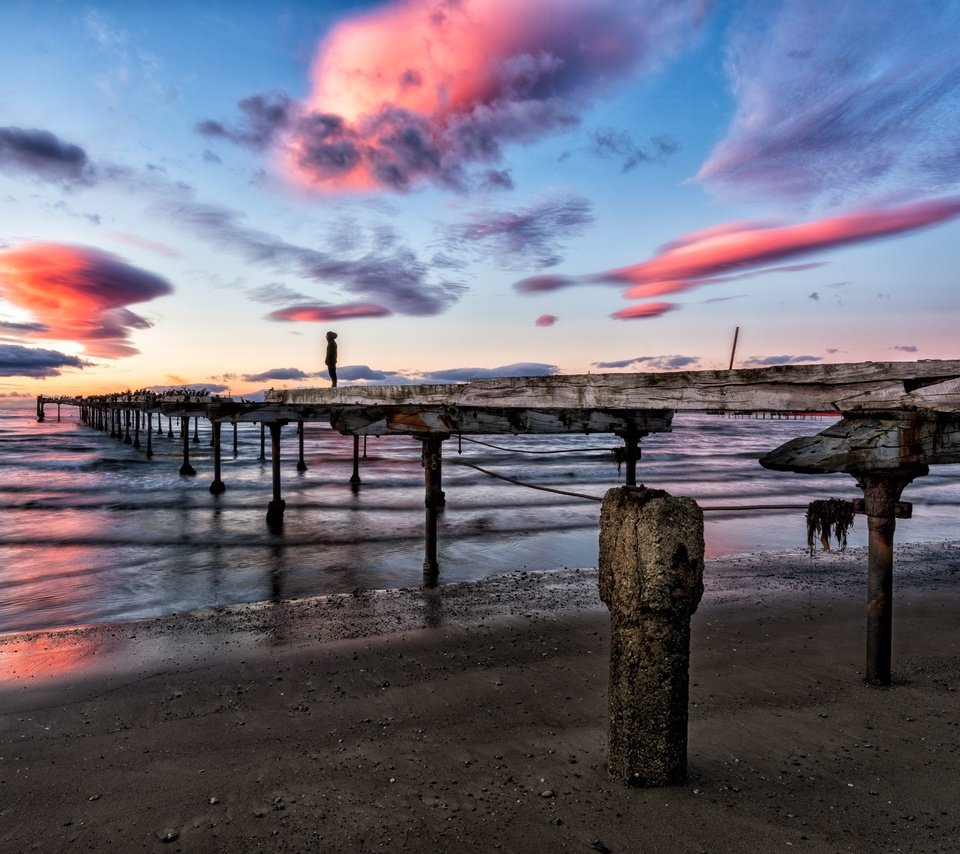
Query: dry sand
pixel 473 718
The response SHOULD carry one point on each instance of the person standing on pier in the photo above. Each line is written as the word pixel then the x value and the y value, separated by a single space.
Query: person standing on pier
pixel 331 359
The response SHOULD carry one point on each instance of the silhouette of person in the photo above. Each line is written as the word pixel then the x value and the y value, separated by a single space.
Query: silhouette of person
pixel 331 360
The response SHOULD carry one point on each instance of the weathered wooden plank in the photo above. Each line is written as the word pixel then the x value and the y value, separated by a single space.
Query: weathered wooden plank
pixel 931 385
pixel 889 441
pixel 382 420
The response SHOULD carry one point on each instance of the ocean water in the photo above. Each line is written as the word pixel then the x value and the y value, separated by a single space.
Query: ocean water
pixel 93 532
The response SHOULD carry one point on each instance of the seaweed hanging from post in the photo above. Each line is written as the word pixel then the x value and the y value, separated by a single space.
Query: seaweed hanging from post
pixel 826 516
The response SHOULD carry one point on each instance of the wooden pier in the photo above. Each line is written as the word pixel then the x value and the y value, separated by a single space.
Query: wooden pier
pixel 898 419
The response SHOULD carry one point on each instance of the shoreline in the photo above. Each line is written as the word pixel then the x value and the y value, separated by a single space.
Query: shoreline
pixel 473 716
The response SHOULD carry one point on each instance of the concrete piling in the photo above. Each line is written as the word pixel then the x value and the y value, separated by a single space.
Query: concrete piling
pixel 277 505
pixel 651 579
pixel 186 469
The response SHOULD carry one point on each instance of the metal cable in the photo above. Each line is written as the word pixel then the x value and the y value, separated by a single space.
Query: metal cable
pixel 522 451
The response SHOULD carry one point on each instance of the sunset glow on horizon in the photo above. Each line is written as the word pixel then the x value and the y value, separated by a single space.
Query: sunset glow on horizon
pixel 194 196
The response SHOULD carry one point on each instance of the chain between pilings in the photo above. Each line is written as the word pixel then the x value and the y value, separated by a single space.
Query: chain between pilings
pixel 881 492
pixel 651 579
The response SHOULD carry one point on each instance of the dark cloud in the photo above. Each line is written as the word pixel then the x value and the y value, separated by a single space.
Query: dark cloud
pixel 519 369
pixel 772 361
pixel 364 373
pixel 23 327
pixel 905 348
pixel 529 237
pixel 279 374
pixel 841 101
pixel 658 363
pixel 43 155
pixel 610 143
pixel 396 280
pixel 211 388
pixel 18 361
pixel 496 179
pixel 263 118
pixel 814 296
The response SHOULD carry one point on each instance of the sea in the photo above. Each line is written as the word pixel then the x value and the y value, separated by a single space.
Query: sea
pixel 94 532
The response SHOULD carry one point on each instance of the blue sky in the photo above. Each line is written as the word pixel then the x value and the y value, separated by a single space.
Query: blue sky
pixel 196 192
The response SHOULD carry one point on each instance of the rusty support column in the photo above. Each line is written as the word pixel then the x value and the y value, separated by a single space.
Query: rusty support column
pixel 186 468
pixel 263 455
pixel 276 507
pixel 431 481
pixel 136 429
pixel 150 435
pixel 217 486
pixel 355 477
pixel 301 465
pixel 651 579
pixel 881 491
pixel 234 438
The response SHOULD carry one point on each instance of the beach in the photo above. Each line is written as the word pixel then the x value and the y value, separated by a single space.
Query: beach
pixel 472 717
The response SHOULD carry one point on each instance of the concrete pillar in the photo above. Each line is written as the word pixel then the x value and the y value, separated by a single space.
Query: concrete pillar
pixel 40 415
pixel 186 468
pixel 136 429
pixel 170 426
pixel 277 505
pixel 234 438
pixel 217 486
pixel 651 579
pixel 196 429
pixel 126 421
pixel 150 435
pixel 263 455
pixel 881 491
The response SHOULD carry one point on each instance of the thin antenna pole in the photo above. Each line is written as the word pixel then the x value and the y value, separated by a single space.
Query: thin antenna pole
pixel 733 352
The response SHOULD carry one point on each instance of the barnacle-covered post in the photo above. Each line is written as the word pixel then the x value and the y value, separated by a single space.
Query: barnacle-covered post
pixel 651 579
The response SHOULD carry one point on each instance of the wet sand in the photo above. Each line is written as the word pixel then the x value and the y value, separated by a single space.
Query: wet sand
pixel 473 718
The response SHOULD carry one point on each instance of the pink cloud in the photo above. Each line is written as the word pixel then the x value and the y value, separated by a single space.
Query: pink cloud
pixel 325 313
pixel 735 250
pixel 145 243
pixel 546 320
pixel 642 310
pixel 423 88
pixel 78 293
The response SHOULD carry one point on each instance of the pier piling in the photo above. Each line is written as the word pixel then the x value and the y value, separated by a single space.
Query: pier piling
pixel 186 469
pixel 431 481
pixel 651 579
pixel 217 487
pixel 276 507
pixel 355 477
pixel 301 464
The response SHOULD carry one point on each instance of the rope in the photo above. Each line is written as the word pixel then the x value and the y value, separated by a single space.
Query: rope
pixel 524 451
pixel 720 508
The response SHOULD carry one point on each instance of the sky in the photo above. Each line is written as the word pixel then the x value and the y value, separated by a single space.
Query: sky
pixel 194 193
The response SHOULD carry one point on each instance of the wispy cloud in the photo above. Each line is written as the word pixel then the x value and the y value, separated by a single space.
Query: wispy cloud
pixel 546 320
pixel 612 144
pixel 772 361
pixel 529 237
pixel 79 293
pixel 18 361
pixel 839 101
pixel 279 374
pixel 395 280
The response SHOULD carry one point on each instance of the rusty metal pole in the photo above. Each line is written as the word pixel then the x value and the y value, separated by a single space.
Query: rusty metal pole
pixel 217 486
pixel 276 507
pixel 431 481
pixel 186 468
pixel 150 435
pixel 355 477
pixel 301 464
pixel 881 491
